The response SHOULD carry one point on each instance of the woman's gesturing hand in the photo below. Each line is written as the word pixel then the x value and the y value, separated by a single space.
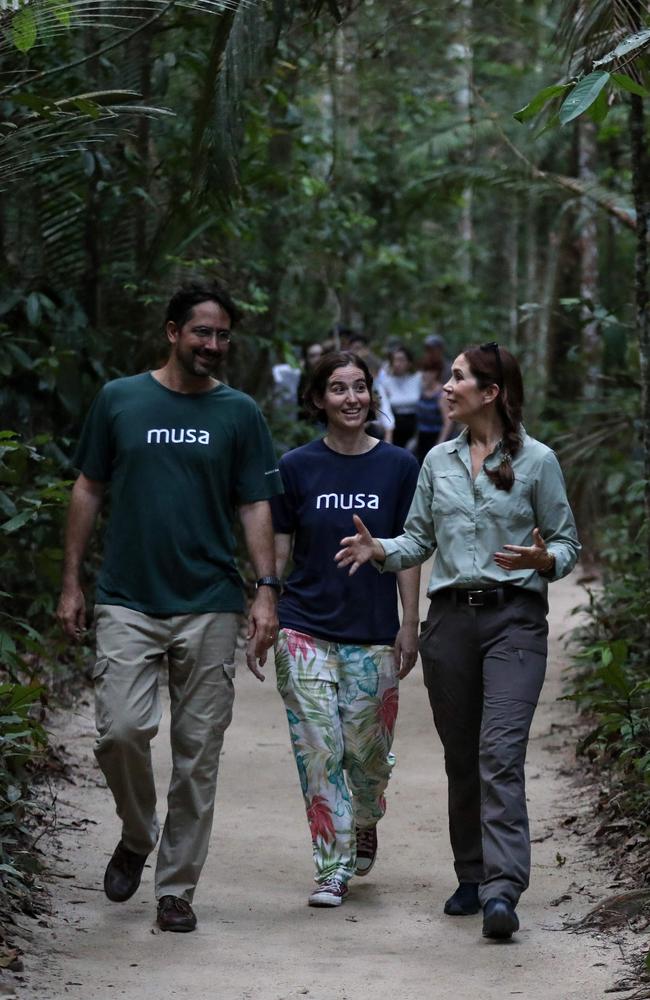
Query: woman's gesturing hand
pixel 359 549
pixel 535 556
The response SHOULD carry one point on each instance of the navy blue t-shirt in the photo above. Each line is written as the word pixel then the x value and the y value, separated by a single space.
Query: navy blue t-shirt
pixel 323 489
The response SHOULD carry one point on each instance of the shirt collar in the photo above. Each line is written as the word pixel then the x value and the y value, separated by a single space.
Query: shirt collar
pixel 459 443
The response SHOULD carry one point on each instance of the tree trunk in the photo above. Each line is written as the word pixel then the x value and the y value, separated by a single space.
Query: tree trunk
pixel 588 245
pixel 639 174
pixel 640 191
pixel 462 56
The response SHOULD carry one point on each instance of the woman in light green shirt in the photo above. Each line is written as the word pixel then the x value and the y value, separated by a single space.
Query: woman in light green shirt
pixel 491 507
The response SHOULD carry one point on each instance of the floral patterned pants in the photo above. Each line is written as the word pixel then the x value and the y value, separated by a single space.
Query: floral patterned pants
pixel 341 702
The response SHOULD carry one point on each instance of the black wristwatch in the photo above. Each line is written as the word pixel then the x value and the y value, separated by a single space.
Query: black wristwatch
pixel 269 581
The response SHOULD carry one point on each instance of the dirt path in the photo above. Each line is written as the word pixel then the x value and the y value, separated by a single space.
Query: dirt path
pixel 257 939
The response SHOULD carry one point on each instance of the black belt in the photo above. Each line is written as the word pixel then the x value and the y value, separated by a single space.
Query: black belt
pixel 490 597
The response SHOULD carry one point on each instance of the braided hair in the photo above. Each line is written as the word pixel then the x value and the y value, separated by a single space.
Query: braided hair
pixel 494 365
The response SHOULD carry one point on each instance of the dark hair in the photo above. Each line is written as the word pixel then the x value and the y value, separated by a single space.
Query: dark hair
pixel 405 351
pixel 318 381
pixel 358 338
pixel 192 294
pixel 494 365
pixel 306 348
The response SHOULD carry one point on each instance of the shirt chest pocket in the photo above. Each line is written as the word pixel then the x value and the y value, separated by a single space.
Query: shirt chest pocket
pixel 451 494
pixel 511 505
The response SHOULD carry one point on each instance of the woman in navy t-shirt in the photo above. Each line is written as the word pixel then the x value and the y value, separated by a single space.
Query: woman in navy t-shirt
pixel 341 651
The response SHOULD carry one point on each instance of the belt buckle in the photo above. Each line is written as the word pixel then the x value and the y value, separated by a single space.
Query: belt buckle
pixel 474 598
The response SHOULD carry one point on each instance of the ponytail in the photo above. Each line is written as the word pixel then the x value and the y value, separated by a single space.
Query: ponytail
pixel 494 365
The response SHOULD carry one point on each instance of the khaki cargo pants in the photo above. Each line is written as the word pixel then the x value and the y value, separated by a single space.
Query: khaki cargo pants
pixel 200 650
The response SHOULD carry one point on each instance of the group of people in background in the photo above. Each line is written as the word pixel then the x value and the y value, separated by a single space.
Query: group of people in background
pixel 411 411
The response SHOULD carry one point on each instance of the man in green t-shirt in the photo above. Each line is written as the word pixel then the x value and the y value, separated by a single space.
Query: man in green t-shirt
pixel 182 454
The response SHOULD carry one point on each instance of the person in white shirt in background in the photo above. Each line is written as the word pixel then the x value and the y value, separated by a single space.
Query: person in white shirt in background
pixel 403 387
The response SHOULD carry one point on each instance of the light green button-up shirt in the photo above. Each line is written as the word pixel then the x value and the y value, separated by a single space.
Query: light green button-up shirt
pixel 464 521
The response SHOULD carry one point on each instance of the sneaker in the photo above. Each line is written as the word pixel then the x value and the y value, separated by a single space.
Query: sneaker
pixel 175 914
pixel 123 873
pixel 366 849
pixel 330 893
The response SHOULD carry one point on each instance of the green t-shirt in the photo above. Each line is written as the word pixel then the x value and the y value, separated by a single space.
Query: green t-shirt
pixel 178 467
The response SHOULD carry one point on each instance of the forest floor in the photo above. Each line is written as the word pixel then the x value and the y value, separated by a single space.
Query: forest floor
pixel 258 940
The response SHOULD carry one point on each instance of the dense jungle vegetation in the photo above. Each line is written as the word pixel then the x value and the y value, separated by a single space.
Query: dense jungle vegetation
pixel 475 168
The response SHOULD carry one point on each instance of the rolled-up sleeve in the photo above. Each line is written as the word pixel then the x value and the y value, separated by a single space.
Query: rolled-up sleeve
pixel 554 517
pixel 418 540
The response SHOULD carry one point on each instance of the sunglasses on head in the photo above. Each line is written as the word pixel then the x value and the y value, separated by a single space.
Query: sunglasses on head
pixel 493 346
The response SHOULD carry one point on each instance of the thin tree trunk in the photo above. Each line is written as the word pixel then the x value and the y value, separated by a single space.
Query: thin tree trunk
pixel 588 243
pixel 639 173
pixel 462 54
pixel 544 346
pixel 640 190
pixel 512 265
pixel 143 51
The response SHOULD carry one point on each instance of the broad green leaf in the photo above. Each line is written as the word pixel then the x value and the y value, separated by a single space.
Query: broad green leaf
pixel 629 44
pixel 44 107
pixel 62 11
pixel 600 108
pixel 7 644
pixel 582 96
pixel 24 29
pixel 626 82
pixel 553 122
pixel 89 108
pixel 536 104
pixel 20 356
pixel 18 521
pixel 7 506
pixel 33 308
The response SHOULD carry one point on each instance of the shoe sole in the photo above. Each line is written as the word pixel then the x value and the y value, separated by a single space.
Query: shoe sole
pixel 325 900
pixel 120 899
pixel 500 926
pixel 176 930
pixel 462 913
pixel 360 872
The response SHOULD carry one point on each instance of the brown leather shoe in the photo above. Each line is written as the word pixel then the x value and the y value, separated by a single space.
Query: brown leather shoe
pixel 175 914
pixel 123 873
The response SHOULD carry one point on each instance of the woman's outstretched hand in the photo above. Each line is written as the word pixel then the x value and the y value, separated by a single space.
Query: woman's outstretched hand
pixel 535 556
pixel 359 549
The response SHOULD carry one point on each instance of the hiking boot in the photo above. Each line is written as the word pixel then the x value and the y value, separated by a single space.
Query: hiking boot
pixel 330 893
pixel 175 914
pixel 499 919
pixel 123 873
pixel 464 902
pixel 366 849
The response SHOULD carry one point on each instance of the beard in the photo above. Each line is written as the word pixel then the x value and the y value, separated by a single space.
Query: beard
pixel 197 364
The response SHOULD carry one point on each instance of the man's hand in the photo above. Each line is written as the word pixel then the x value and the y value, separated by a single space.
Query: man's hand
pixel 262 629
pixel 71 612
pixel 405 651
pixel 535 556
pixel 359 549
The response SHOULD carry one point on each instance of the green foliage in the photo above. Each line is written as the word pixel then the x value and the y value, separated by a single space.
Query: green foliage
pixel 32 500
pixel 22 742
pixel 611 686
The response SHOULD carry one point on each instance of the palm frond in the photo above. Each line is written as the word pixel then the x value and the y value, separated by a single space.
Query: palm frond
pixel 587 30
pixel 242 41
pixel 57 133
pixel 42 21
